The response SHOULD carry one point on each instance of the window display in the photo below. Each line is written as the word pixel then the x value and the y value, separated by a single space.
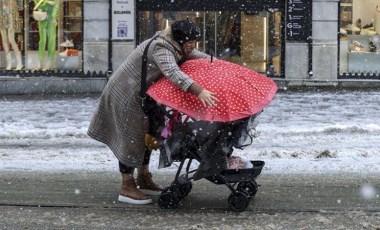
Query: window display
pixel 41 35
pixel 71 34
pixel 359 36
pixel 56 42
pixel 10 26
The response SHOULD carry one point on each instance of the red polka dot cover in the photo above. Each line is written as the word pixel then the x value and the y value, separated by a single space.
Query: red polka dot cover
pixel 242 92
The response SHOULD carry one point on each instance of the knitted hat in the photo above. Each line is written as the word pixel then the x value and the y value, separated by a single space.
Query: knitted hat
pixel 185 30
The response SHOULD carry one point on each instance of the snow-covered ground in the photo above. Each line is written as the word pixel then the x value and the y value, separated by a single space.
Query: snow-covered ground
pixel 299 132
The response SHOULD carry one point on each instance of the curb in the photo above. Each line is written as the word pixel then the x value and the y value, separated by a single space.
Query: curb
pixel 50 85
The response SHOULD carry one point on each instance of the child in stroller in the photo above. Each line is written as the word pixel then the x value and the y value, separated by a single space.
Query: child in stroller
pixel 209 143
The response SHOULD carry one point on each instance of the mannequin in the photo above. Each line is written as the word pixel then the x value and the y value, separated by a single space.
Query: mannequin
pixel 9 23
pixel 47 31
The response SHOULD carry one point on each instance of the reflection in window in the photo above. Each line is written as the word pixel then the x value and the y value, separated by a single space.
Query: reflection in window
pixel 252 39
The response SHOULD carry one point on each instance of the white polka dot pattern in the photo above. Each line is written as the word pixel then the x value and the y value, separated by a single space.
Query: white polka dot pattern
pixel 241 91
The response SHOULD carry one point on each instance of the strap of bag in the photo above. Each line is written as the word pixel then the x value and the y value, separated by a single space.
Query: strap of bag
pixel 38 4
pixel 144 71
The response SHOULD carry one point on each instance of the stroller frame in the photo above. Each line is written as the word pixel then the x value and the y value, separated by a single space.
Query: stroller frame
pixel 241 182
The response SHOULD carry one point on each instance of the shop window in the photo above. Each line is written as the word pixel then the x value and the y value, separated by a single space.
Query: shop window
pixel 54 43
pixel 12 36
pixel 359 36
pixel 72 23
pixel 252 39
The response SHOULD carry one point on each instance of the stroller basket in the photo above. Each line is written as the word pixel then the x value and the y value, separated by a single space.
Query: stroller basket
pixel 238 175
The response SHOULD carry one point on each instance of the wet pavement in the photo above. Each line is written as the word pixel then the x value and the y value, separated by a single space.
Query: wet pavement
pixel 88 200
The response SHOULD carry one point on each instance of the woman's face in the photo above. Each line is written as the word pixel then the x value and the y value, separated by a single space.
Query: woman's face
pixel 188 47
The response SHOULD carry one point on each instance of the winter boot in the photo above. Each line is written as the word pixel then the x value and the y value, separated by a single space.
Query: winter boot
pixel 146 184
pixel 129 192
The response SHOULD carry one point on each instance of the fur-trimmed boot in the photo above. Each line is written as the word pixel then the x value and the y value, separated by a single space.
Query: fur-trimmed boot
pixel 129 192
pixel 145 183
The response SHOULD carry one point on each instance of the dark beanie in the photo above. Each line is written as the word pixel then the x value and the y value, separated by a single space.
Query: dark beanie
pixel 185 30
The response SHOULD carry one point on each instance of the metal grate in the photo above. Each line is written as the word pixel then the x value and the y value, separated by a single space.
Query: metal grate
pixel 359 76
pixel 54 73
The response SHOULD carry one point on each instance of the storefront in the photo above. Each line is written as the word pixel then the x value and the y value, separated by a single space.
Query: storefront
pixel 359 39
pixel 294 40
pixel 244 32
pixel 47 40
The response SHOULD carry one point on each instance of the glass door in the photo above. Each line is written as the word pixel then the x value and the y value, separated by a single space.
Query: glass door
pixel 259 46
pixel 252 39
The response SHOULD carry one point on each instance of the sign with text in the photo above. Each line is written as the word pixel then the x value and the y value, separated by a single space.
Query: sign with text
pixel 123 19
pixel 298 20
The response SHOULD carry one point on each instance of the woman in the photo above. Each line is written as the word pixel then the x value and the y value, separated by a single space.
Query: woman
pixel 120 121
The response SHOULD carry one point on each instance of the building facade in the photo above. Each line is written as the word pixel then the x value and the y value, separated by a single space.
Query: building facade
pixel 293 40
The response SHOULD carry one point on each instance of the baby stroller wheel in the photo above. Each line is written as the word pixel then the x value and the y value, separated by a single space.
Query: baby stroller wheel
pixel 238 201
pixel 169 198
pixel 250 187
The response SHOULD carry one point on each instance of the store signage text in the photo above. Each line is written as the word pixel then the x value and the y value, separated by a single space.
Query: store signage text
pixel 122 12
pixel 298 20
pixel 123 20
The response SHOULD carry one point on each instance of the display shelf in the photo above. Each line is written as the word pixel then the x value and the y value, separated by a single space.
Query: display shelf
pixel 73 17
pixel 364 61
pixel 72 28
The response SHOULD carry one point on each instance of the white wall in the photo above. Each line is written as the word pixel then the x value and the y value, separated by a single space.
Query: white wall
pixel 365 10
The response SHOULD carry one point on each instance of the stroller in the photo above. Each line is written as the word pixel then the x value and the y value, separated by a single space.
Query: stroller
pixel 209 143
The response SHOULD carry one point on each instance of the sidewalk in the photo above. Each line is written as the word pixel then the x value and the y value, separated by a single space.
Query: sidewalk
pixel 67 85
pixel 88 200
pixel 50 85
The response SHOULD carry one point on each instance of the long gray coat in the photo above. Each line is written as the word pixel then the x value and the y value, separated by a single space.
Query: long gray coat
pixel 119 120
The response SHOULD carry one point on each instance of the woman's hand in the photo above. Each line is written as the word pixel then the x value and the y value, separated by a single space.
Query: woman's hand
pixel 207 98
